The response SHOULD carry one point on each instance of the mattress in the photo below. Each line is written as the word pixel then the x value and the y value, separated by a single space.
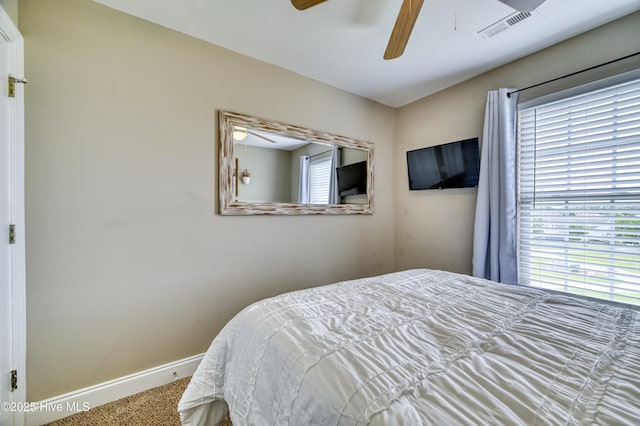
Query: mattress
pixel 421 347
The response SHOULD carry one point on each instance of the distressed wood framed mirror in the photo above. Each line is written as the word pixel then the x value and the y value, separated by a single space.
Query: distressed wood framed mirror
pixel 271 168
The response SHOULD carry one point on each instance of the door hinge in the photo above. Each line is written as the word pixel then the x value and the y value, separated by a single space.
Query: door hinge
pixel 14 380
pixel 12 86
pixel 12 234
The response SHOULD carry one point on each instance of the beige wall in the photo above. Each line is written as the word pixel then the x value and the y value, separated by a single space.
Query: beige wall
pixel 270 171
pixel 435 228
pixel 11 7
pixel 128 266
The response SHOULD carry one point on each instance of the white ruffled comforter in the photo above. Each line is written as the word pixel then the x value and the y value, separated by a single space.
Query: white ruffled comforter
pixel 421 347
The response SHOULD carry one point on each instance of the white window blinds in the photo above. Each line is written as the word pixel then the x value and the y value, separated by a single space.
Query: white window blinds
pixel 319 180
pixel 579 194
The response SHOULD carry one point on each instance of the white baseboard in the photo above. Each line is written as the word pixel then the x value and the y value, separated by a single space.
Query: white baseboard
pixel 81 400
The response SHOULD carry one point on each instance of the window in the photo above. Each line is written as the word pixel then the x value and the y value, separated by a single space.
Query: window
pixel 579 192
pixel 319 180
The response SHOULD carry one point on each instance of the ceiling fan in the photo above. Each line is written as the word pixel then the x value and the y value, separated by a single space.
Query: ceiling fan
pixel 240 134
pixel 407 18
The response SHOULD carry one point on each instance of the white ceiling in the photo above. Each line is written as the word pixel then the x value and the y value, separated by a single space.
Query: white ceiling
pixel 341 42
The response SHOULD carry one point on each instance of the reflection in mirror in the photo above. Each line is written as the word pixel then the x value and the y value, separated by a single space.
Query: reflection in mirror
pixel 268 167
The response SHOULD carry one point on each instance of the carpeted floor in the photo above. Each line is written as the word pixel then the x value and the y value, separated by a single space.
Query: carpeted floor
pixel 156 407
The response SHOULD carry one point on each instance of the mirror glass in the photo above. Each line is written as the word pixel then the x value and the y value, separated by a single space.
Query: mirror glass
pixel 268 167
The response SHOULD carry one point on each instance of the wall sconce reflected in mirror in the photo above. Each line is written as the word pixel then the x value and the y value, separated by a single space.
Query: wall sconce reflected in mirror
pixel 246 177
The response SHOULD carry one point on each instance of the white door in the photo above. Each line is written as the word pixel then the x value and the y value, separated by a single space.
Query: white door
pixel 12 287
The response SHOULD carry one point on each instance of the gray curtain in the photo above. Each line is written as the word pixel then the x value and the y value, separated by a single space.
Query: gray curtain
pixel 494 239
pixel 303 180
pixel 334 195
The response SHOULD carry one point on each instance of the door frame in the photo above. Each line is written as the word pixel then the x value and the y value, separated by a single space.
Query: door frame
pixel 9 31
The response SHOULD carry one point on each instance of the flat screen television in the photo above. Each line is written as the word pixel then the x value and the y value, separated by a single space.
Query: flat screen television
pixel 352 179
pixel 450 165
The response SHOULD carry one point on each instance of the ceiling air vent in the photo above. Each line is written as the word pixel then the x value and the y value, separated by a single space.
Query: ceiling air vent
pixel 504 24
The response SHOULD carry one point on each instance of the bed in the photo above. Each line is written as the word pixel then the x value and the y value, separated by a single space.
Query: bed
pixel 421 347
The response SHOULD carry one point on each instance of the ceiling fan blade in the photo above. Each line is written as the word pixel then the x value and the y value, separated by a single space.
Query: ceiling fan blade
pixel 260 136
pixel 305 4
pixel 402 30
pixel 523 5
